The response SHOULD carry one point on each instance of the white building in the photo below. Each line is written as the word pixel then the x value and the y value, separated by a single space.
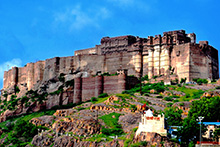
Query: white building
pixel 149 123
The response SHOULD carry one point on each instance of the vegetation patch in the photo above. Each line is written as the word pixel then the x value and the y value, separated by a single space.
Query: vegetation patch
pixel 111 121
pixel 200 81
pixel 103 95
pixel 98 138
pixel 189 93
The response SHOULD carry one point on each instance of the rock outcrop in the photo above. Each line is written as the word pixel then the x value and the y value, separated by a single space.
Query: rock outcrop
pixel 83 126
pixel 50 139
pixel 155 139
pixel 45 121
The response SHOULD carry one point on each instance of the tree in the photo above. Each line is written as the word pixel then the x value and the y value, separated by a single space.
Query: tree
pixel 189 131
pixel 217 133
pixel 174 116
pixel 183 80
pixel 209 108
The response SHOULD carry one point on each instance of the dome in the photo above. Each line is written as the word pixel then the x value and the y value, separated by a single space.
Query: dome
pixel 149 113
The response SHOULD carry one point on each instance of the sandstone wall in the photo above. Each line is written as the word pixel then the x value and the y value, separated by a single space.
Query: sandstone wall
pixel 203 61
pixel 89 51
pixel 28 75
pixel 88 88
pixel 180 57
pixel 174 52
pixel 89 64
pixel 110 84
pixel 85 88
pixel 66 64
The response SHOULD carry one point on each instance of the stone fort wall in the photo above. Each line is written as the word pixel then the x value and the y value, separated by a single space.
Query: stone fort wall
pixel 85 88
pixel 173 53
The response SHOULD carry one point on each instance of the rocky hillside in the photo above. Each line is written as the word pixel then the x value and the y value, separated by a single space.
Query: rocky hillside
pixel 107 120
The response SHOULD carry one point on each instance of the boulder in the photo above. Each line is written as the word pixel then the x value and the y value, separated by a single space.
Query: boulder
pixel 64 112
pixel 45 120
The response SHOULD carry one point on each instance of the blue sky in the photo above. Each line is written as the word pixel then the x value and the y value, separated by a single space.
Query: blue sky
pixel 32 30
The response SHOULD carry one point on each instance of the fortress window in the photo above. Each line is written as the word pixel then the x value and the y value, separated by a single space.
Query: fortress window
pixel 178 53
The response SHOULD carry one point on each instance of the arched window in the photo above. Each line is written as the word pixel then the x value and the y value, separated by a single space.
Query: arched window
pixel 210 133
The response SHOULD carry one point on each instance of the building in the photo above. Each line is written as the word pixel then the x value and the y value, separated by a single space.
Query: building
pixel 174 55
pixel 211 127
pixel 150 123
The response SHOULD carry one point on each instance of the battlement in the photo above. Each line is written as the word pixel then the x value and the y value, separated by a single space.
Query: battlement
pixel 171 38
pixel 128 39
pixel 117 44
pixel 174 32
pixel 89 51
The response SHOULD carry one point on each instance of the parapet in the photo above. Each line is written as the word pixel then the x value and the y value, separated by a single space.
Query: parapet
pixel 89 51
pixel 174 32
pixel 203 42
pixel 120 40
pixel 171 37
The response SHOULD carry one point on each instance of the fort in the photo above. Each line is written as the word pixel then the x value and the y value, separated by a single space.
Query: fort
pixel 174 55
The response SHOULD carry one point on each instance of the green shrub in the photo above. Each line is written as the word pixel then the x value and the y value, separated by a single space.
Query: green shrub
pixel 198 94
pixel 112 131
pixel 143 143
pixel 179 85
pixel 191 144
pixel 127 142
pixel 20 129
pixel 128 92
pixel 93 99
pixel 187 95
pixel 62 78
pixel 103 95
pixel 69 83
pixel 106 74
pixel 134 129
pixel 133 107
pixel 80 108
pixel 183 80
pixel 213 80
pixel 176 96
pixel 57 92
pixel 5 94
pixel 17 90
pixel 181 104
pixel 131 75
pixel 175 101
pixel 159 87
pixel 146 94
pixel 200 81
pixel 145 78
pixel 217 87
pixel 169 104
pixel 168 99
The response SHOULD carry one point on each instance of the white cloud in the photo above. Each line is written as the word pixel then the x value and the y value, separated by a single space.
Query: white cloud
pixel 76 18
pixel 8 65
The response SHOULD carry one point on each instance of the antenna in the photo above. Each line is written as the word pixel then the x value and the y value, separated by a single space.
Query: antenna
pixel 7 67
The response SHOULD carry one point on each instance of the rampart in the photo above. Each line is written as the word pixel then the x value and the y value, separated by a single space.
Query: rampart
pixel 173 53
pixel 85 88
